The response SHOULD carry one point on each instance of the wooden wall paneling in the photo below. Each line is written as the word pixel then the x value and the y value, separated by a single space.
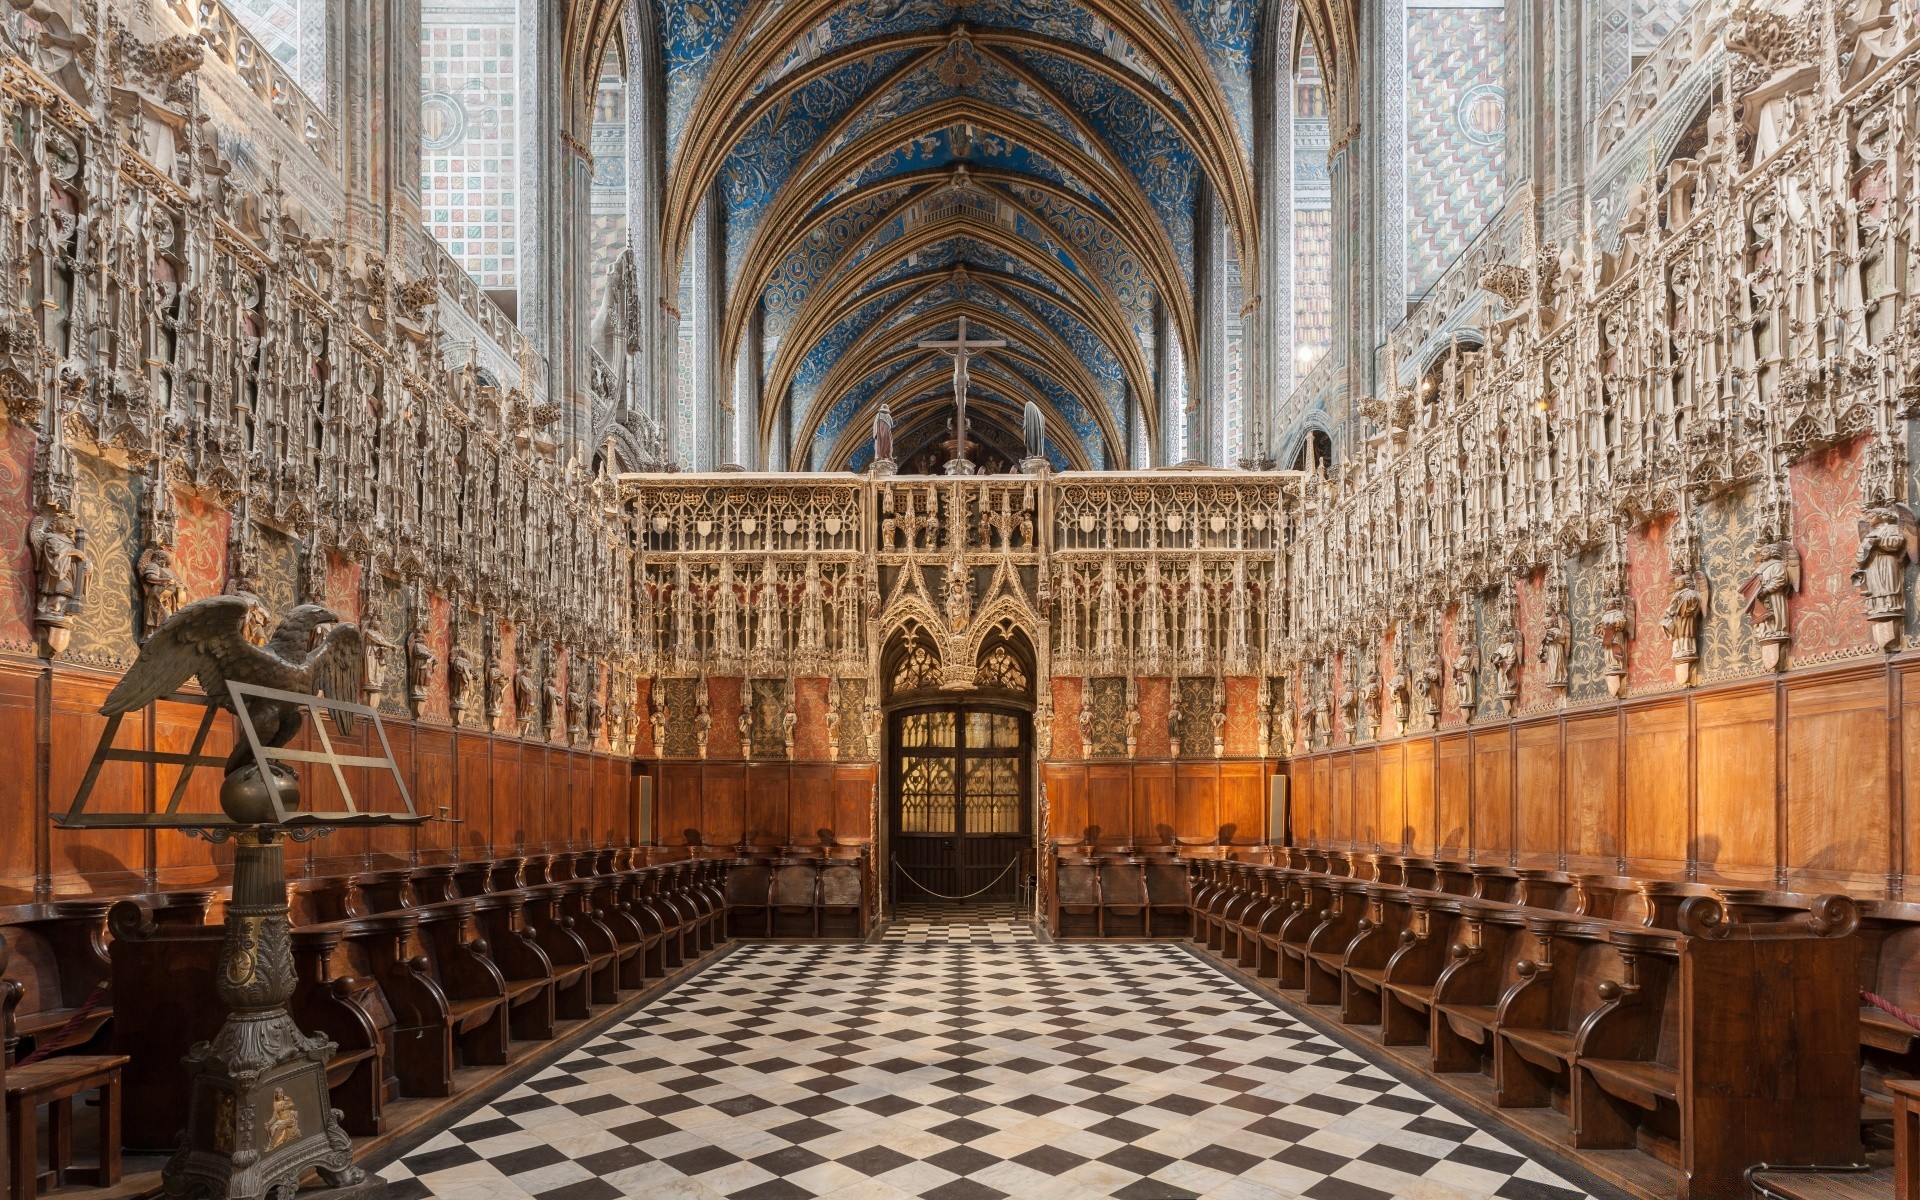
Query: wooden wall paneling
pixel 1537 782
pixel 435 787
pixel 723 804
pixel 812 802
pixel 581 797
pixel 679 804
pixel 1366 793
pixel 1492 819
pixel 503 830
pixel 1197 799
pixel 180 861
pixel 616 821
pixel 1592 791
pixel 21 818
pixel 1324 816
pixel 1838 778
pixel 1302 829
pixel 1655 787
pixel 1453 795
pixel 1383 815
pixel 1154 818
pixel 1735 783
pixel 1066 785
pixel 94 860
pixel 853 801
pixel 1907 685
pixel 1243 800
pixel 1341 801
pixel 767 799
pixel 472 797
pixel 1110 801
pixel 1416 829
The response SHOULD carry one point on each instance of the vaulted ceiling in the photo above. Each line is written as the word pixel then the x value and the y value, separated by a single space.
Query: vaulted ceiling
pixel 886 167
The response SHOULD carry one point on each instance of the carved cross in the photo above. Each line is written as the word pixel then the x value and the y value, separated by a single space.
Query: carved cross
pixel 960 350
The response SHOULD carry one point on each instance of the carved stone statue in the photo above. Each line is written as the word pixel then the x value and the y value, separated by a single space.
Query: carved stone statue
pixel 657 717
pixel 460 673
pixel 1555 636
pixel 1889 540
pixel 789 724
pixel 1033 429
pixel 1369 722
pixel 556 706
pixel 526 700
pixel 61 566
pixel 421 661
pixel 1615 631
pixel 1427 683
pixel 376 652
pixel 1682 624
pixel 1776 575
pixel 1466 680
pixel 498 684
pixel 1505 661
pixel 161 592
pixel 1399 692
pixel 883 462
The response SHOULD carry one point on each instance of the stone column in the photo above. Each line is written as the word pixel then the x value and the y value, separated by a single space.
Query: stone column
pixel 1271 375
pixel 706 249
pixel 1206 408
pixel 746 391
pixel 378 49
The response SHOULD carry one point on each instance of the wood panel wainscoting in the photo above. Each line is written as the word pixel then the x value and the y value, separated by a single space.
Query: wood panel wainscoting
pixel 1132 810
pixel 727 804
pixel 499 795
pixel 1809 781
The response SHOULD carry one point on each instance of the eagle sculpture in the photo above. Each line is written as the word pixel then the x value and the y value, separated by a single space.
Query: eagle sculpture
pixel 207 639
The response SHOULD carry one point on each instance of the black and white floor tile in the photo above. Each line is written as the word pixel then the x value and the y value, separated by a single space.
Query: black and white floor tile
pixel 995 924
pixel 964 1072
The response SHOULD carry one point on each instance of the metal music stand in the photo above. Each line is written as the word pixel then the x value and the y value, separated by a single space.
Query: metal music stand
pixel 259 1115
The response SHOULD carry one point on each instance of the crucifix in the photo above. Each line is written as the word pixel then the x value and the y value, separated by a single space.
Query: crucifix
pixel 960 349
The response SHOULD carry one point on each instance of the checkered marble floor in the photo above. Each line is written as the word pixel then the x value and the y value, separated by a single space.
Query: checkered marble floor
pixel 919 924
pixel 964 1072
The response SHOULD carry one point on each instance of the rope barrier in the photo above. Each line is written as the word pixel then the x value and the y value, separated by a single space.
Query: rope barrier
pixel 943 896
pixel 1891 1009
pixel 59 1036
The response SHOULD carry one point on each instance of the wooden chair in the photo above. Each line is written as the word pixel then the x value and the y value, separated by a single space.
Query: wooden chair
pixel 749 912
pixel 1906 1138
pixel 52 1084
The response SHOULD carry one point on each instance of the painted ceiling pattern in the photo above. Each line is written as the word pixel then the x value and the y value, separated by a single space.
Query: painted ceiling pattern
pixel 885 167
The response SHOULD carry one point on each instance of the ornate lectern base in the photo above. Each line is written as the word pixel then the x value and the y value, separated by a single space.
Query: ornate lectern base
pixel 259 1115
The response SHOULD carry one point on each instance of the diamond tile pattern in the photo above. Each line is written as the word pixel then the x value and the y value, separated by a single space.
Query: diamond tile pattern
pixel 964 1072
pixel 999 924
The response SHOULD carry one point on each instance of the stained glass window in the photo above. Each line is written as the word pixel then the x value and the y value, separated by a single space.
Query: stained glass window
pixel 469 135
pixel 607 216
pixel 1312 216
pixel 1456 131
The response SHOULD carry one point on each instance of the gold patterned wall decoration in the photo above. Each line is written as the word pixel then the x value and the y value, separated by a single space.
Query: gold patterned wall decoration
pixel 1108 731
pixel 279 561
pixel 1728 648
pixel 1586 583
pixel 853 742
pixel 391 603
pixel 766 728
pixel 1193 703
pixel 680 696
pixel 107 505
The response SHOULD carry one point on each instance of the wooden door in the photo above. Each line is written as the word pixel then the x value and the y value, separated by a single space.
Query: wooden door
pixel 958 803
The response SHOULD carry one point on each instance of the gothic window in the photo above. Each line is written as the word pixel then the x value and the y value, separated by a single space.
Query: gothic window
pixel 917 668
pixel 607 218
pixel 1312 215
pixel 469 135
pixel 1000 669
pixel 295 32
pixel 1456 130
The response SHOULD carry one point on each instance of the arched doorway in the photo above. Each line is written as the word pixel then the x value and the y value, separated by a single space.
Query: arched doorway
pixel 959 775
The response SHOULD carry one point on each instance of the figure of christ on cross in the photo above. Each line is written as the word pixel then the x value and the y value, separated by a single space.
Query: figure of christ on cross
pixel 960 349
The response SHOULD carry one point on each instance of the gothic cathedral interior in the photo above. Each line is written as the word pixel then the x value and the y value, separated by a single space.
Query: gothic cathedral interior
pixel 960 598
